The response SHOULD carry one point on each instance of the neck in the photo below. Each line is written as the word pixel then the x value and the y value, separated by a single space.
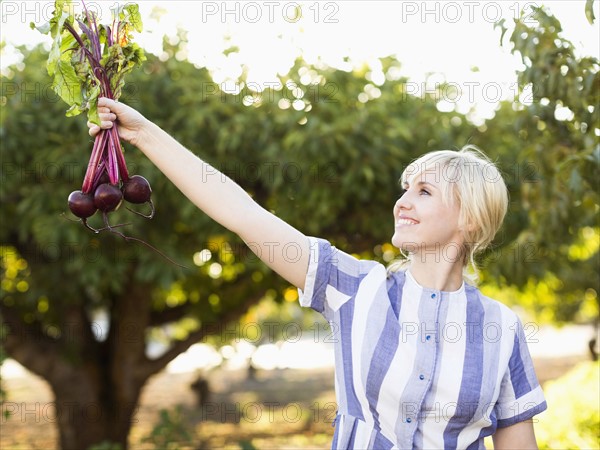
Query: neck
pixel 436 274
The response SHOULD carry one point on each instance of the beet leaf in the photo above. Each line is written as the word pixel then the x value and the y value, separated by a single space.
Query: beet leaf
pixel 89 60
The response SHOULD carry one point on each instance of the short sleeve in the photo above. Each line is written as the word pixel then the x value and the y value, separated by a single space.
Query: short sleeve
pixel 332 278
pixel 521 395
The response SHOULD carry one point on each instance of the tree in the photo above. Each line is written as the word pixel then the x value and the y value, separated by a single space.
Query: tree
pixel 336 156
pixel 324 152
pixel 551 133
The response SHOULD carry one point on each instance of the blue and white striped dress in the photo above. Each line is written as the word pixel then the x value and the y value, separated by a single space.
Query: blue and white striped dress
pixel 416 367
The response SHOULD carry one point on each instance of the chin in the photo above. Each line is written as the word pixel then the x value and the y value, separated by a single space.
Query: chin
pixel 398 242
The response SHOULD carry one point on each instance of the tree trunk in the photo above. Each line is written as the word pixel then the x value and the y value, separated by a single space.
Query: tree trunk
pixel 97 390
pixel 85 417
pixel 97 384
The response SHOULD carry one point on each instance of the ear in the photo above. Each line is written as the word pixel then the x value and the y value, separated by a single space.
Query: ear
pixel 471 227
pixel 468 227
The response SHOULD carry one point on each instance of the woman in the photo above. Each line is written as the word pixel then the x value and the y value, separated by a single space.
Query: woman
pixel 422 359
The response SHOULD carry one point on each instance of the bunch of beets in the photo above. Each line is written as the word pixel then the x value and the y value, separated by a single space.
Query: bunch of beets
pixel 87 61
pixel 107 197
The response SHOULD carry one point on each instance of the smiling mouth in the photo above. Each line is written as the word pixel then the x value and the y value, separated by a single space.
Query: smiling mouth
pixel 406 222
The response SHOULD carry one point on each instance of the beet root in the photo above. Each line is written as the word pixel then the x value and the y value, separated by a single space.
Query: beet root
pixel 137 190
pixel 107 197
pixel 81 205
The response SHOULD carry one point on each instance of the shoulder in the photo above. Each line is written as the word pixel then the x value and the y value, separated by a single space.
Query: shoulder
pixel 323 253
pixel 490 303
pixel 334 277
pixel 499 314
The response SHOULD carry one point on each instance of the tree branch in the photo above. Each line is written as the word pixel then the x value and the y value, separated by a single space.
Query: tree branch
pixel 165 316
pixel 27 343
pixel 125 345
pixel 152 366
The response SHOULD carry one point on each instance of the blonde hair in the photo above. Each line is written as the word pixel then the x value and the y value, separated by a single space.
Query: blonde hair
pixel 469 177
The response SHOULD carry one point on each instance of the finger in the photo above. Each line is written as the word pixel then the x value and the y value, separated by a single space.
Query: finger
pixel 106 102
pixel 104 124
pixel 107 117
pixel 103 109
pixel 94 129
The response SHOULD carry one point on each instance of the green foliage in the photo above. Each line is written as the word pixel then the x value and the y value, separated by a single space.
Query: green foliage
pixel 3 393
pixel 325 166
pixel 561 124
pixel 324 153
pixel 342 167
pixel 246 445
pixel 171 431
pixel 550 133
pixel 89 59
pixel 589 11
pixel 106 445
pixel 572 419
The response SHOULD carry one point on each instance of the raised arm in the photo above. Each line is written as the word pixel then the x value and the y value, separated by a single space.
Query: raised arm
pixel 279 245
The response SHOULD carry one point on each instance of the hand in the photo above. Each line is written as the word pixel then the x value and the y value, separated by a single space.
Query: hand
pixel 131 123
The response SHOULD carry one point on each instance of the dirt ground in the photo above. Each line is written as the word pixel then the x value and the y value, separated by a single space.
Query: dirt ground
pixel 278 409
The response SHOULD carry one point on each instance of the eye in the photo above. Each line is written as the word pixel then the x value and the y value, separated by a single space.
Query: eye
pixel 424 191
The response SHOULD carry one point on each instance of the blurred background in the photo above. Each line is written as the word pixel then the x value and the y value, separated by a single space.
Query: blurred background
pixel 314 108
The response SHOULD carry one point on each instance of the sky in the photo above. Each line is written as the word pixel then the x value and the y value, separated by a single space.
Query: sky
pixel 452 41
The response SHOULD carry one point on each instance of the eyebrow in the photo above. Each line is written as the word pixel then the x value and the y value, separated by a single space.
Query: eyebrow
pixel 421 183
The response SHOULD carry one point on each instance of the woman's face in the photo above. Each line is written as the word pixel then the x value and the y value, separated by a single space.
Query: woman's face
pixel 423 223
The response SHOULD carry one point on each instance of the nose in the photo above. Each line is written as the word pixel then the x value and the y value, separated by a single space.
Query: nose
pixel 402 203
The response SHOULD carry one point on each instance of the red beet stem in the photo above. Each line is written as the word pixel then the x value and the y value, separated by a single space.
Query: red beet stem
pixel 119 154
pixel 96 157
